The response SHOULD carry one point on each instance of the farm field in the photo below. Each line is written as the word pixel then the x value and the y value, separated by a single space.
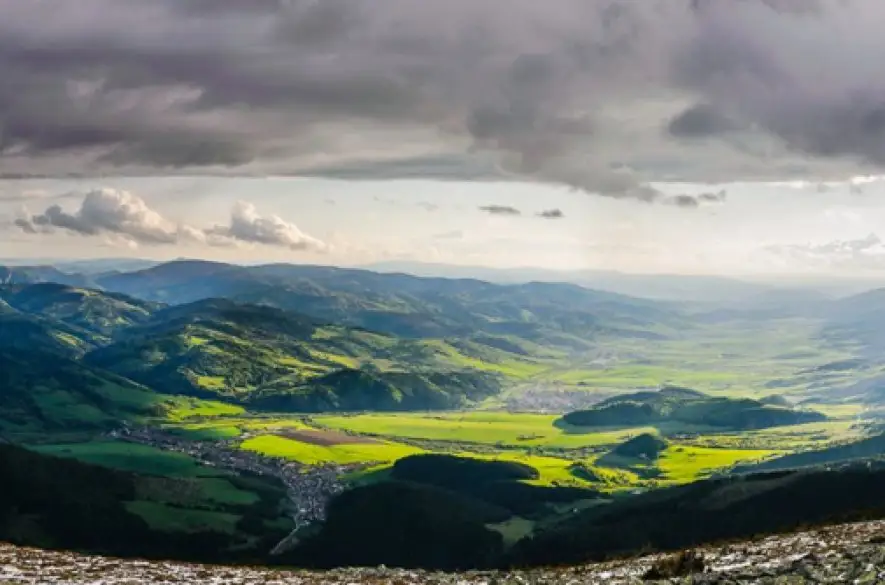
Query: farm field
pixel 131 457
pixel 532 439
pixel 173 519
pixel 541 431
pixel 310 453
pixel 174 492
pixel 682 464
pixel 491 428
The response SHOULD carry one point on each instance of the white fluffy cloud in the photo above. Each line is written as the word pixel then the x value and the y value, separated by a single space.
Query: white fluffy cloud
pixel 246 225
pixel 126 217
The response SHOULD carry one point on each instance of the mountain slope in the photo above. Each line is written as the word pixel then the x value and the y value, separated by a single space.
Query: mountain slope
pixel 36 274
pixel 359 390
pixel 41 393
pixel 62 503
pixel 867 448
pixel 277 359
pixel 35 333
pixel 828 553
pixel 87 309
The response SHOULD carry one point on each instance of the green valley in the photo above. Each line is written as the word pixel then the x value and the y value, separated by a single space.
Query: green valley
pixel 241 402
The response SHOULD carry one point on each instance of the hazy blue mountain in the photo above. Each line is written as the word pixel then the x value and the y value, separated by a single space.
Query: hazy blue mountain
pixel 406 305
pixel 90 310
pixel 654 286
pixel 10 274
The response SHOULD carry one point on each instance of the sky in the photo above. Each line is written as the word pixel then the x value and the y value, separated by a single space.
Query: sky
pixel 741 137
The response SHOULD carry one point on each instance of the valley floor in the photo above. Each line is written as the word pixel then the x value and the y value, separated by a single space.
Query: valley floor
pixel 851 553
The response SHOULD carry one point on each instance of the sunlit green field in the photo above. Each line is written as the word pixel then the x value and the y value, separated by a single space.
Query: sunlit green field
pixel 551 450
pixel 787 438
pixel 512 429
pixel 681 464
pixel 310 454
pixel 183 408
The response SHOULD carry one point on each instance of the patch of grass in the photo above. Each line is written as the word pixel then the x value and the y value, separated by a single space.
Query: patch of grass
pixel 496 361
pixel 792 437
pixel 682 464
pixel 310 454
pixel 184 408
pixel 331 358
pixel 553 470
pixel 211 382
pixel 131 457
pixel 167 518
pixel 224 492
pixel 513 530
pixel 207 431
pixel 68 339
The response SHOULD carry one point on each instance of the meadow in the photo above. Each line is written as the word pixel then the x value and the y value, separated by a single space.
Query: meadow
pixel 342 454
pixel 562 455
pixel 174 493
pixel 481 427
pixel 131 457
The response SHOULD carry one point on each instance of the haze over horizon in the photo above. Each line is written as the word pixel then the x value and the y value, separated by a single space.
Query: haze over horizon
pixel 657 137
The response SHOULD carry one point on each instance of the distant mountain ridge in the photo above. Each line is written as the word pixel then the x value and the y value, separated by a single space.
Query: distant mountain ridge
pixel 404 305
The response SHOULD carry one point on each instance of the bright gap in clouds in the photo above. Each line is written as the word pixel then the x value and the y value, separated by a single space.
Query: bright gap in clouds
pixel 832 229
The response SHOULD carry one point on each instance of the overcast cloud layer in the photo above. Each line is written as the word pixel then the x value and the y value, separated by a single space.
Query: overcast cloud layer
pixel 603 96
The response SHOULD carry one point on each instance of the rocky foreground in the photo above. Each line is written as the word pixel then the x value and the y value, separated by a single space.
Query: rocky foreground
pixel 849 553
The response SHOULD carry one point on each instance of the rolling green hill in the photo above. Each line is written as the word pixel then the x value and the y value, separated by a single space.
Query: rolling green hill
pixel 645 446
pixel 250 354
pixel 30 332
pixel 688 407
pixel 97 312
pixel 358 390
pixel 42 393
pixel 272 358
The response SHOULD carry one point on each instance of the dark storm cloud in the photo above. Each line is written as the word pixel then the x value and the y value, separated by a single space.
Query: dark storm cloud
pixel 692 201
pixel 700 121
pixel 573 93
pixel 718 197
pixel 551 214
pixel 804 75
pixel 500 210
pixel 686 201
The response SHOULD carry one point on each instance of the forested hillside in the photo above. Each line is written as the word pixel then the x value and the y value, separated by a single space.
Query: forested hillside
pixel 60 503
pixel 689 407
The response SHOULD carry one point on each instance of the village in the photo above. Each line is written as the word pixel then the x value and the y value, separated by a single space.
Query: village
pixel 310 487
